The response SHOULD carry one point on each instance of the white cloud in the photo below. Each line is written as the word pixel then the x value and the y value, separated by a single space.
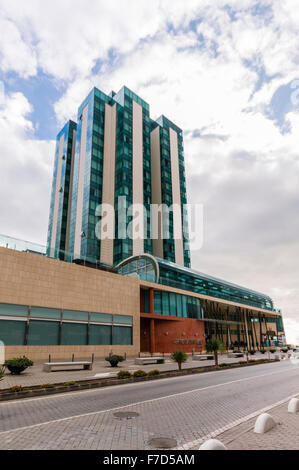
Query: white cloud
pixel 25 169
pixel 15 54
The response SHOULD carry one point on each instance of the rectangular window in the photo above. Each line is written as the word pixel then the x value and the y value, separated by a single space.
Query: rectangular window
pixel 179 305
pixel 101 317
pixel 100 334
pixel 184 306
pixel 146 301
pixel 43 332
pixel 165 303
pixel 75 315
pixel 74 333
pixel 13 310
pixel 157 303
pixel 122 335
pixel 40 312
pixel 12 333
pixel 172 302
pixel 123 319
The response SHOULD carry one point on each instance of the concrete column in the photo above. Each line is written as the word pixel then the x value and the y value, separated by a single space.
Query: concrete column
pixel 138 243
pixel 176 198
pixel 156 189
pixel 108 193
pixel 81 185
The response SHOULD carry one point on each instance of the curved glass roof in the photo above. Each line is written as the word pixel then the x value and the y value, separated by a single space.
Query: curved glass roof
pixel 150 268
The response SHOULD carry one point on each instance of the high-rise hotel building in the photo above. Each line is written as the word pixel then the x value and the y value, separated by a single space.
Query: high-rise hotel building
pixel 144 297
pixel 117 155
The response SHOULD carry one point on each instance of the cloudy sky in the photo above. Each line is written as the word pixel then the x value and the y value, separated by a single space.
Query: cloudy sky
pixel 224 71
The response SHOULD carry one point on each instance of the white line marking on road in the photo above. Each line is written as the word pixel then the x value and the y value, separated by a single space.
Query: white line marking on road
pixel 143 402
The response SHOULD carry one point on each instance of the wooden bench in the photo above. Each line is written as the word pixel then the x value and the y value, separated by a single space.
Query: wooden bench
pixel 49 366
pixel 149 360
pixel 202 357
pixel 235 354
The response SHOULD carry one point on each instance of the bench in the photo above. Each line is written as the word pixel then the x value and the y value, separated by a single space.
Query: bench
pixel 235 354
pixel 49 366
pixel 149 360
pixel 202 357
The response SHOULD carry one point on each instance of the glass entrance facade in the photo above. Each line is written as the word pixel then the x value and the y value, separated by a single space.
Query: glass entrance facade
pixel 149 268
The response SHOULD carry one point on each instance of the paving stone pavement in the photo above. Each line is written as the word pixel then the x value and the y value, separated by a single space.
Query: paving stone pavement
pixel 284 436
pixel 215 400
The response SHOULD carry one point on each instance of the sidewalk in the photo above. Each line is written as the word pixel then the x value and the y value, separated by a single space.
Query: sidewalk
pixel 36 376
pixel 284 436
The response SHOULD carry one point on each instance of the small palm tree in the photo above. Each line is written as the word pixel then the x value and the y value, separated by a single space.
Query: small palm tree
pixel 179 357
pixel 214 346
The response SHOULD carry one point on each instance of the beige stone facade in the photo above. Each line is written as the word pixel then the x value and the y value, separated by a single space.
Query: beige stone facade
pixel 29 279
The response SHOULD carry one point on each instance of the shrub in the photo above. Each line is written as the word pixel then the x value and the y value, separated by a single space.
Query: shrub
pixel 47 386
pixel 262 351
pixel 214 346
pixel 252 351
pixel 284 350
pixel 179 357
pixel 242 362
pixel 139 373
pixel 18 364
pixel 124 374
pixel 114 360
pixel 272 351
pixel 2 372
pixel 16 388
pixel 257 360
pixel 224 364
pixel 154 372
pixel 66 384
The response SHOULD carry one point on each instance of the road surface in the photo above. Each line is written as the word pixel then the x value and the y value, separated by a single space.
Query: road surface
pixel 186 409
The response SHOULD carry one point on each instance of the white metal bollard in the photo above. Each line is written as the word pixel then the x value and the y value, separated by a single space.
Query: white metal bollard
pixel 212 444
pixel 293 405
pixel 264 423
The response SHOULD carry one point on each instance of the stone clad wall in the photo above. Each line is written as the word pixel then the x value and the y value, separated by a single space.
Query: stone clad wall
pixel 29 279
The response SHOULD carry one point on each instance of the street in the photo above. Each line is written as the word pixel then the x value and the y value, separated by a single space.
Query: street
pixel 185 409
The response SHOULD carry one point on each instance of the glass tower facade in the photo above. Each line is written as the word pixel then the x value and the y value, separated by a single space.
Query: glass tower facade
pixel 164 126
pixel 59 219
pixel 116 161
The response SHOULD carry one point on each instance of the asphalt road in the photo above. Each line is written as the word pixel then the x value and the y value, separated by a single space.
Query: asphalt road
pixel 183 408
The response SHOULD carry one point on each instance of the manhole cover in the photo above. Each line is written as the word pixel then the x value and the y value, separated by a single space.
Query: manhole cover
pixel 162 443
pixel 126 414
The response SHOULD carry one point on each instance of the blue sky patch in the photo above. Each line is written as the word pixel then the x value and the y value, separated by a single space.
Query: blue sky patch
pixel 42 93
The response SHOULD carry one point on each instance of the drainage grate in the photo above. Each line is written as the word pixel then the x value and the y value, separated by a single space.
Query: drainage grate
pixel 162 443
pixel 125 414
